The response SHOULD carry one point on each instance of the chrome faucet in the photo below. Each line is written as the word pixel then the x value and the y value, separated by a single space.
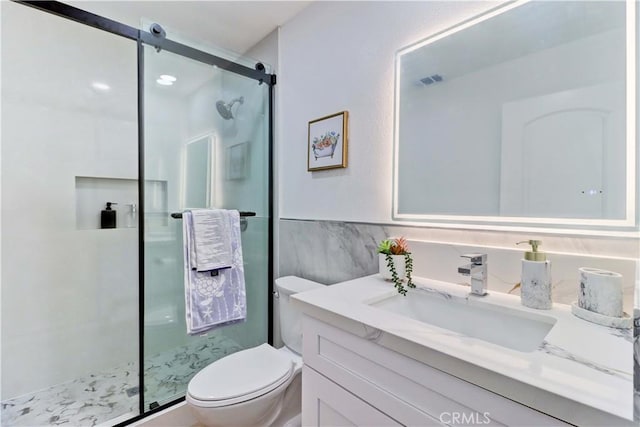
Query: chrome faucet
pixel 478 272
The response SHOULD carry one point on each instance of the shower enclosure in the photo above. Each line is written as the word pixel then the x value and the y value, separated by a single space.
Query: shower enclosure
pixel 94 111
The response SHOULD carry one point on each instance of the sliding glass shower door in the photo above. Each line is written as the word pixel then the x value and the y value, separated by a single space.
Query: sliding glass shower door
pixel 206 144
pixel 95 112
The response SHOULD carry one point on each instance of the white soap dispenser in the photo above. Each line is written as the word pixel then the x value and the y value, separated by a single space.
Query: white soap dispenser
pixel 535 284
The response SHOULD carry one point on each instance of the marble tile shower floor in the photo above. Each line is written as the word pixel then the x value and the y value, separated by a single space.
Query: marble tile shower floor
pixel 98 398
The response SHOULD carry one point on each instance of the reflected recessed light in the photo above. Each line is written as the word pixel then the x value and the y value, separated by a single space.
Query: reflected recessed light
pixel 164 82
pixel 100 86
pixel 168 77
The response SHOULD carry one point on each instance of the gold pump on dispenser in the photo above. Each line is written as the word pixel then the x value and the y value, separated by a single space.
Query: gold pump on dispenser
pixel 533 254
pixel 535 284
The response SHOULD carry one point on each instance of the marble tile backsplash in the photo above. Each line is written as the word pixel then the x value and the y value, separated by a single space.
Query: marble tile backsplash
pixel 440 261
pixel 330 252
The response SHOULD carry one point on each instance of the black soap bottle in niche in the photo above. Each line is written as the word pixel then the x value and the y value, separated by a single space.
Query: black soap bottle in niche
pixel 108 217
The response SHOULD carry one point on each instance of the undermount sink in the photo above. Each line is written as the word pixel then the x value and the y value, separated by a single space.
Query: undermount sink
pixel 504 326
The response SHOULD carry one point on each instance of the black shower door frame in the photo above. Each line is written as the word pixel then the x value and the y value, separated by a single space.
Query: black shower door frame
pixel 161 43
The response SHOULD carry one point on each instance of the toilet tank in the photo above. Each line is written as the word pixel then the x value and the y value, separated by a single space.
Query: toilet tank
pixel 291 317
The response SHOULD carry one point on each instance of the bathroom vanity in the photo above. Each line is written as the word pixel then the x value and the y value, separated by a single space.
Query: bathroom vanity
pixel 441 357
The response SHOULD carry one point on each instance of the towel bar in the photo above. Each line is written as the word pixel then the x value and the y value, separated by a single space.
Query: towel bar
pixel 178 215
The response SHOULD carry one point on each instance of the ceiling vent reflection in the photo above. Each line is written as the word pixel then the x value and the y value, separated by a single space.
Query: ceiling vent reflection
pixel 436 78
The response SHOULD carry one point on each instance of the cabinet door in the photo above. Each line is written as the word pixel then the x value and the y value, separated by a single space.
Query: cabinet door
pixel 325 403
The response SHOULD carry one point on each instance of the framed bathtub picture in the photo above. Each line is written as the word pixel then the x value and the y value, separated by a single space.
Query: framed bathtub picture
pixel 327 143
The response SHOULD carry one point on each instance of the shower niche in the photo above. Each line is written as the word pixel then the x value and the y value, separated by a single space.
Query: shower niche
pixel 92 195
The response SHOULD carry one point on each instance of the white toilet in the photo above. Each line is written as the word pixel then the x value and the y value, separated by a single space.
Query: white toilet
pixel 260 386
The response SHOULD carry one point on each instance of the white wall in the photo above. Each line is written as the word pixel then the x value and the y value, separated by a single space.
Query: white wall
pixel 69 295
pixel 340 55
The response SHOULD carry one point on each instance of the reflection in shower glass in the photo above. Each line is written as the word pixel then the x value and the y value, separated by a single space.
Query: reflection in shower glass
pixel 197 169
pixel 188 144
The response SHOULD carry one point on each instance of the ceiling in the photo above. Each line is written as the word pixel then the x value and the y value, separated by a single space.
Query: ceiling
pixel 232 25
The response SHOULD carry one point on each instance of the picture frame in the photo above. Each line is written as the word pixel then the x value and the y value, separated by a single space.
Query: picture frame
pixel 236 161
pixel 327 142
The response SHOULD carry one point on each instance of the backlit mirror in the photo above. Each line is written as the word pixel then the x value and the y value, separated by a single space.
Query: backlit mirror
pixel 525 116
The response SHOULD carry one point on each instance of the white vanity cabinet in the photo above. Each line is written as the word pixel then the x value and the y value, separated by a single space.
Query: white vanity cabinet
pixel 348 380
pixel 327 404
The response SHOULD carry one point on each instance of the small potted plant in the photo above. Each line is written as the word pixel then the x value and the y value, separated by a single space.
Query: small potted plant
pixel 395 263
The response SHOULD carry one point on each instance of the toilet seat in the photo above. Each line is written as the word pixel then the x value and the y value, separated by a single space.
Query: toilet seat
pixel 240 377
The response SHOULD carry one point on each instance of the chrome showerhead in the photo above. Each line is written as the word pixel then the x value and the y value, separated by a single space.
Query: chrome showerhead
pixel 225 109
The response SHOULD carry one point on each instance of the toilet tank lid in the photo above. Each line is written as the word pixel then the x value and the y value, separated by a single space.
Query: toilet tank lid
pixel 294 284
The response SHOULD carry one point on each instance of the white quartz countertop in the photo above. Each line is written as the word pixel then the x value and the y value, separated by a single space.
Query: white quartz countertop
pixel 578 360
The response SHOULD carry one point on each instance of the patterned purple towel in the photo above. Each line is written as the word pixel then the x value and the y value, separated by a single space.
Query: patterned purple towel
pixel 215 298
